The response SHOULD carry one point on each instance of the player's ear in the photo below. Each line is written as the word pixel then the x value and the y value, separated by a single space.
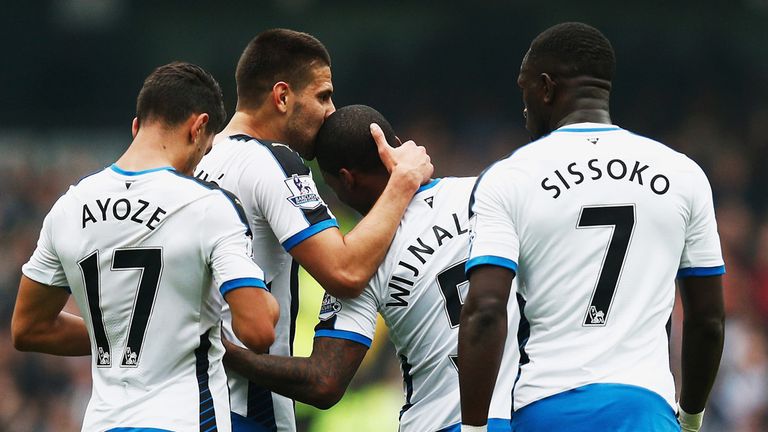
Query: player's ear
pixel 347 179
pixel 280 93
pixel 548 87
pixel 198 127
pixel 135 127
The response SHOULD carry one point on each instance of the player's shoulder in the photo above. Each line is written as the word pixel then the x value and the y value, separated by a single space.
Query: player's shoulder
pixel 676 160
pixel 208 190
pixel 289 161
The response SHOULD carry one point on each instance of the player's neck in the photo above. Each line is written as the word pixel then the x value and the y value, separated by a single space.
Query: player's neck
pixel 254 123
pixel 153 148
pixel 589 115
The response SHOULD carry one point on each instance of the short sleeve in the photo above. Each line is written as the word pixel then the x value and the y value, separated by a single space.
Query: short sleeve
pixel 289 200
pixel 44 266
pixel 350 319
pixel 701 255
pixel 494 237
pixel 230 253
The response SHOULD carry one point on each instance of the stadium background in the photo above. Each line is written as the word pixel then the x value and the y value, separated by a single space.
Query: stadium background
pixel 691 74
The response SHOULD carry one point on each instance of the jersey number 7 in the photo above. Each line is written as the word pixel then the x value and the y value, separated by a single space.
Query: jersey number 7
pixel 621 219
pixel 150 262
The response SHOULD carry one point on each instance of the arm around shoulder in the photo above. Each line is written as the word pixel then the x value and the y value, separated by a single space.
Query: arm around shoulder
pixel 343 264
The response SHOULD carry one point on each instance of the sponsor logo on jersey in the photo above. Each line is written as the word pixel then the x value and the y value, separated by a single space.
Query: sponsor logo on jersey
pixel 302 194
pixel 330 307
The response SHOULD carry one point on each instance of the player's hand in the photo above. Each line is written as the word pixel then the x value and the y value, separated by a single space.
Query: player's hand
pixel 409 159
pixel 689 422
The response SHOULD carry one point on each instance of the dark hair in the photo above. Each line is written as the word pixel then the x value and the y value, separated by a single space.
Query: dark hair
pixel 577 48
pixel 173 92
pixel 345 141
pixel 277 55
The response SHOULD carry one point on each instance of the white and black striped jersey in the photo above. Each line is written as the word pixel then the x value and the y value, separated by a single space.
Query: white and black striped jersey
pixel 283 208
pixel 419 291
pixel 144 254
pixel 597 223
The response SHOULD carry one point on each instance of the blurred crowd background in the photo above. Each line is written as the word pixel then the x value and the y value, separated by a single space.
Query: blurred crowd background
pixel 692 75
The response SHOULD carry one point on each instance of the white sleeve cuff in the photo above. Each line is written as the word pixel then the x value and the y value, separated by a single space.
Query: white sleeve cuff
pixel 468 428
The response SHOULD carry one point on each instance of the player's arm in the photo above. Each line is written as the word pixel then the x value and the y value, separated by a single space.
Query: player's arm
pixel 343 264
pixel 319 380
pixel 482 333
pixel 703 328
pixel 254 315
pixel 240 281
pixel 40 324
pixel 701 292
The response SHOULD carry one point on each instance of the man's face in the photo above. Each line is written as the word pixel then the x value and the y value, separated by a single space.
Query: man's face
pixel 535 111
pixel 353 198
pixel 312 105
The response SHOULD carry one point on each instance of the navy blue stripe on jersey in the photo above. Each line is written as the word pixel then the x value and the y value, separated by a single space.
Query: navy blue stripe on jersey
pixel 121 171
pixel 700 271
pixel 308 232
pixel 230 197
pixel 523 334
pixel 261 409
pixel 490 260
pixel 408 382
pixel 207 411
pixel 344 334
pixel 294 286
pixel 132 429
pixel 291 164
pixel 432 183
pixel 596 129
pixel 240 283
pixel 598 407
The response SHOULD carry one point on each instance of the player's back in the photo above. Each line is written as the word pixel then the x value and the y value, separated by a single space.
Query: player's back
pixel 604 220
pixel 419 291
pixel 135 248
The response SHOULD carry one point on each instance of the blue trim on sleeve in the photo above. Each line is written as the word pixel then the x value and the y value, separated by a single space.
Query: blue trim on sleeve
pixel 490 260
pixel 700 271
pixel 240 283
pixel 343 334
pixel 432 183
pixel 308 232
pixel 119 170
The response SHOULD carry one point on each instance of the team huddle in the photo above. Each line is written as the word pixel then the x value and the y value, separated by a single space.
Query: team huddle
pixel 534 297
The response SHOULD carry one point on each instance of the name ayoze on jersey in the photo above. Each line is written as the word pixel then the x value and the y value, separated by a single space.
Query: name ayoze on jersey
pixel 407 270
pixel 123 209
pixel 615 169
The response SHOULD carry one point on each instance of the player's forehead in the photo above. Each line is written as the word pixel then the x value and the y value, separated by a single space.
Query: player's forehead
pixel 321 78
